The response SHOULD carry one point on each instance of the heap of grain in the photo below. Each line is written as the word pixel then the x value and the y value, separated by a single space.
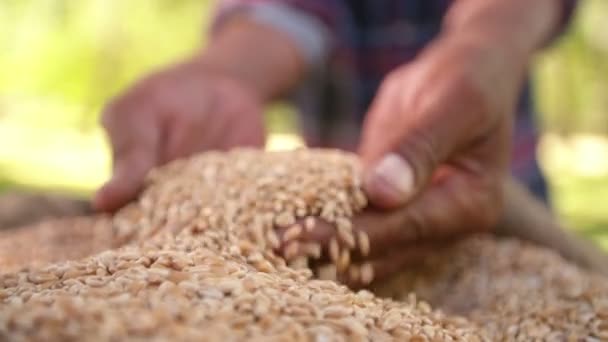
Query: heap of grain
pixel 197 262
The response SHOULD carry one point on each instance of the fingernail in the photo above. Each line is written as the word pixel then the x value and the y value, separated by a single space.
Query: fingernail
pixel 393 179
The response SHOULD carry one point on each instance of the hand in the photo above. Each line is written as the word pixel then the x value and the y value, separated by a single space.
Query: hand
pixel 438 135
pixel 435 149
pixel 382 262
pixel 174 113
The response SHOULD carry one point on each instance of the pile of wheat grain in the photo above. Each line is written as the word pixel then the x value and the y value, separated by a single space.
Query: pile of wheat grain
pixel 197 262
pixel 513 291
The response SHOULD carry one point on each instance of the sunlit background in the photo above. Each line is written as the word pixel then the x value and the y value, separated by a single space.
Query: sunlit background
pixel 60 60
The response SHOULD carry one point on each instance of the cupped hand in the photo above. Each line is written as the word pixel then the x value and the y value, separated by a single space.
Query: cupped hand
pixel 372 232
pixel 174 113
pixel 394 239
pixel 435 149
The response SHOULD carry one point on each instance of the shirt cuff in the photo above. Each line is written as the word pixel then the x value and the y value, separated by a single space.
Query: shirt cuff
pixel 309 34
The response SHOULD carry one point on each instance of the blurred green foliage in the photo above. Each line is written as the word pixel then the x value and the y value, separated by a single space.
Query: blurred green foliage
pixel 572 95
pixel 61 60
pixel 71 56
pixel 572 79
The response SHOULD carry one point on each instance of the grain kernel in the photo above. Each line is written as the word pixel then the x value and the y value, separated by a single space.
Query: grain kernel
pixel 344 260
pixel 292 233
pixel 367 273
pixel 291 250
pixel 334 250
pixel 346 236
pixel 309 224
pixel 312 249
pixel 363 241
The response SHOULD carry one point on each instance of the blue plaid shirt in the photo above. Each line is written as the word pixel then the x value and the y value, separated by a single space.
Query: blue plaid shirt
pixel 351 45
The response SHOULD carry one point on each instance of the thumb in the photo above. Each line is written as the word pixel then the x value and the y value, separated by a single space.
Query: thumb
pixel 409 131
pixel 127 178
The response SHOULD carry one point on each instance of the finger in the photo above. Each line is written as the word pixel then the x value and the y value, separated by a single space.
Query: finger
pixel 242 109
pixel 411 129
pixel 373 232
pixel 390 263
pixel 251 134
pixel 187 136
pixel 121 188
pixel 305 239
pixel 134 137
pixel 320 240
pixel 192 122
pixel 452 205
pixel 220 117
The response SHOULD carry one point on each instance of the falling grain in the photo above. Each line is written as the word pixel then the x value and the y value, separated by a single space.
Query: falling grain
pixel 363 241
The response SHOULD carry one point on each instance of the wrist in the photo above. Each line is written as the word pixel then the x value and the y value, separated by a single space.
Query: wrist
pixel 481 53
pixel 215 70
pixel 259 57
pixel 518 26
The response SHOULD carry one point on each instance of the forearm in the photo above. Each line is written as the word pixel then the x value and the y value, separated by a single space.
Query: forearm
pixel 521 26
pixel 262 57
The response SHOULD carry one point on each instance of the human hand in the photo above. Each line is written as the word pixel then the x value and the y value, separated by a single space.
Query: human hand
pixel 171 114
pixel 438 135
pixel 435 149
pixel 394 239
pixel 367 259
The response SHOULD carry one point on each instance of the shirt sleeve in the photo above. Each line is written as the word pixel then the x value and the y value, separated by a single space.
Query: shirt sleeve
pixel 311 24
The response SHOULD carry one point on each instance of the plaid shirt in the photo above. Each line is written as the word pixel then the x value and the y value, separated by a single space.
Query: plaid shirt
pixel 350 45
